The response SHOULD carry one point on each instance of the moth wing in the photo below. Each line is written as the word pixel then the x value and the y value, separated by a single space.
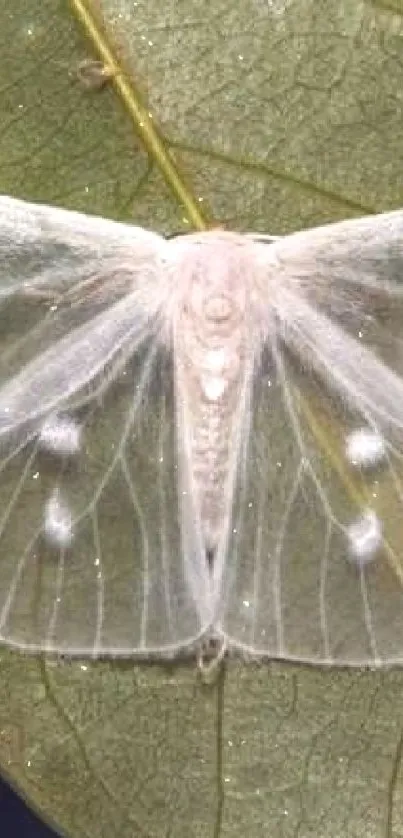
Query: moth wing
pixel 60 269
pixel 314 560
pixel 352 272
pixel 45 248
pixel 99 551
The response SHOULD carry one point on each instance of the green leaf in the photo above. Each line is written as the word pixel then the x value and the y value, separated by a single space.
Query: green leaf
pixel 278 114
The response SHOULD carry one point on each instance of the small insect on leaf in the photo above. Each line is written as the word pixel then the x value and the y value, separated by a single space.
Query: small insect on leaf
pixel 94 75
pixel 201 440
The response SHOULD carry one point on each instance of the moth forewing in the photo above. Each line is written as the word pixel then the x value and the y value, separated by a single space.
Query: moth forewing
pixel 347 366
pixel 49 233
pixel 365 252
pixel 66 368
pixel 60 269
pixel 95 567
pixel 75 577
pixel 312 551
pixel 352 272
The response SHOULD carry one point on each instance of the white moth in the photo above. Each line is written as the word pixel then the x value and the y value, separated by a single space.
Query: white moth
pixel 206 386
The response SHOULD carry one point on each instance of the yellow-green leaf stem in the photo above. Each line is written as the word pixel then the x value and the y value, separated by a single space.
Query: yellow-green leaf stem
pixel 140 115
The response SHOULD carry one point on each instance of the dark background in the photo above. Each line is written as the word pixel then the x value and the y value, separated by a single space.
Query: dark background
pixel 17 820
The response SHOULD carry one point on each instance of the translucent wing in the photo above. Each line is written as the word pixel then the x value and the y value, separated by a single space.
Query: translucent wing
pixel 93 555
pixel 314 568
pixel 44 248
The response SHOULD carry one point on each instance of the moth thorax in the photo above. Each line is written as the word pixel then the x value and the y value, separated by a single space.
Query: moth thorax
pixel 218 309
pixel 212 307
pixel 213 347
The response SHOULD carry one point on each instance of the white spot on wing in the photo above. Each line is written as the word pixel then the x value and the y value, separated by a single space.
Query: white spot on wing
pixel 365 448
pixel 58 521
pixel 60 435
pixel 365 537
